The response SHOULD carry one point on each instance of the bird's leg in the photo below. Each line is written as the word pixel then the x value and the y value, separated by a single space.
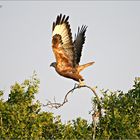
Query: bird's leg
pixel 81 83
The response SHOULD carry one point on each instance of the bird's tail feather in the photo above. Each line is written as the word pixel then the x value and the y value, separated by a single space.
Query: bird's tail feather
pixel 81 67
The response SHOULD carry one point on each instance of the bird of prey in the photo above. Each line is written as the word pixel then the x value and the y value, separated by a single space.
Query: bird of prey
pixel 67 52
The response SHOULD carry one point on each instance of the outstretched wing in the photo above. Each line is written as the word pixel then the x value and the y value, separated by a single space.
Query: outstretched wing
pixel 78 44
pixel 62 42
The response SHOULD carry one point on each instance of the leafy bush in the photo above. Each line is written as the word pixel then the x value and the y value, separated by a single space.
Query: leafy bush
pixel 21 116
pixel 121 117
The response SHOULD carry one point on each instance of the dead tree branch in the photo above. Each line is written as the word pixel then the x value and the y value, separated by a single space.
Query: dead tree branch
pixel 58 105
pixel 96 111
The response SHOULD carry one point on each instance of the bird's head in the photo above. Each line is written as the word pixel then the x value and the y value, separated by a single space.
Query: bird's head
pixel 53 64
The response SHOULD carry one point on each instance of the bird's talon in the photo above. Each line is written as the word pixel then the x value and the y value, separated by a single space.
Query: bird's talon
pixel 81 83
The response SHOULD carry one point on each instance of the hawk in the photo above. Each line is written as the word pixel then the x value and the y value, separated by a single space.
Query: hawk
pixel 67 52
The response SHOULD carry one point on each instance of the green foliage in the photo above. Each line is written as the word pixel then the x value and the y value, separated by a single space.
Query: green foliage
pixel 121 117
pixel 21 116
pixel 77 129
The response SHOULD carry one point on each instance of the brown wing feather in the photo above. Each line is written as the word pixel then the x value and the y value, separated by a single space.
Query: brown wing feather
pixel 62 42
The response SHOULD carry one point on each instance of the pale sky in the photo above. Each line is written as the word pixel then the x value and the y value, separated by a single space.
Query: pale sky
pixel 112 41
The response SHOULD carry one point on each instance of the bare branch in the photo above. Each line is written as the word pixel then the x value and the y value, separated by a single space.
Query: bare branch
pixel 58 105
pixel 96 111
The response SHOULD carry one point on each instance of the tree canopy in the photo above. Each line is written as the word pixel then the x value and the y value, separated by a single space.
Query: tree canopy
pixel 21 116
